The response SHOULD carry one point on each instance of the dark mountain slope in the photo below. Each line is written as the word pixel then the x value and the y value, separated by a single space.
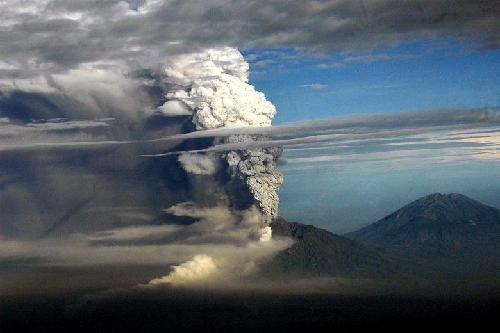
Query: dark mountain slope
pixel 319 253
pixel 445 235
pixel 437 219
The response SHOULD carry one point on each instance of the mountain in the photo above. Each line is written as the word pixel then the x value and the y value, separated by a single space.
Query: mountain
pixel 432 219
pixel 440 233
pixel 440 237
pixel 319 253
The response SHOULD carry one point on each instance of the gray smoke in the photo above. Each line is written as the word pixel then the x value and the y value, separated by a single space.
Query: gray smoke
pixel 257 169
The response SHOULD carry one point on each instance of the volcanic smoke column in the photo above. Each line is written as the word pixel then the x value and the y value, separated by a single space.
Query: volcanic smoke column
pixel 213 85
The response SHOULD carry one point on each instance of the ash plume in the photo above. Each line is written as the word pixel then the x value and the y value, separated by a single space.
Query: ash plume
pixel 214 84
pixel 257 169
pixel 237 187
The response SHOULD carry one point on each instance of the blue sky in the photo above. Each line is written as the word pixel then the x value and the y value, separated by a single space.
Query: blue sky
pixel 344 194
pixel 414 76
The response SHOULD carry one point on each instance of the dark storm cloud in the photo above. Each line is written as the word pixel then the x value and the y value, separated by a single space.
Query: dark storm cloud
pixel 51 36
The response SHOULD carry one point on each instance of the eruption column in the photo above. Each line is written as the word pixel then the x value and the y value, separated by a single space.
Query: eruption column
pixel 214 84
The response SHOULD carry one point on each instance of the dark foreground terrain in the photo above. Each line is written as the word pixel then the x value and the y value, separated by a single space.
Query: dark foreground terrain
pixel 430 266
pixel 205 311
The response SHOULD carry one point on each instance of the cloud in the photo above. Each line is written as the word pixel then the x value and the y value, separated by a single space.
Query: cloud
pixel 335 129
pixel 315 86
pixel 47 37
pixel 416 151
pixel 361 123
pixel 75 252
pixel 86 92
pixel 349 128
pixel 56 131
pixel 366 59
pixel 132 234
pixel 263 63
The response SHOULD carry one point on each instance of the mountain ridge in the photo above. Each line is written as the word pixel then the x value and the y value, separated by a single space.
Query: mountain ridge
pixel 318 252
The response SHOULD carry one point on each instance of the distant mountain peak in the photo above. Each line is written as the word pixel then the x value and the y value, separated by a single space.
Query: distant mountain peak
pixel 428 217
pixel 445 208
pixel 450 200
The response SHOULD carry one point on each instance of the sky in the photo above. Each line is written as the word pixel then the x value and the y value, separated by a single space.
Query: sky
pixel 356 193
pixel 417 75
pixel 150 132
pixel 414 76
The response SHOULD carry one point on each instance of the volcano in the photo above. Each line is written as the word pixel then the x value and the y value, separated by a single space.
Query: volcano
pixel 440 234
pixel 435 219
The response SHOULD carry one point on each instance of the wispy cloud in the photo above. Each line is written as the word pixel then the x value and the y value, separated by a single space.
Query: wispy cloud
pixel 263 63
pixel 315 86
pixel 440 147
pixel 337 129
pixel 366 59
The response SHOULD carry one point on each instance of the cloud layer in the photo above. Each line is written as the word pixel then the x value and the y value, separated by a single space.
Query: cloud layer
pixel 41 38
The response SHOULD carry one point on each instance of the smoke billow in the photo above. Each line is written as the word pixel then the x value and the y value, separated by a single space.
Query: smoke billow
pixel 214 85
pixel 196 270
pixel 257 169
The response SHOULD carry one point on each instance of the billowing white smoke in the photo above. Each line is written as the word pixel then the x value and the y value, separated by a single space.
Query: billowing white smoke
pixel 214 84
pixel 196 270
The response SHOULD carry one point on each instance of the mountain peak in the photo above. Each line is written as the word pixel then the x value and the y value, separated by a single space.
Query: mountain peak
pixel 444 208
pixel 445 198
pixel 433 215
